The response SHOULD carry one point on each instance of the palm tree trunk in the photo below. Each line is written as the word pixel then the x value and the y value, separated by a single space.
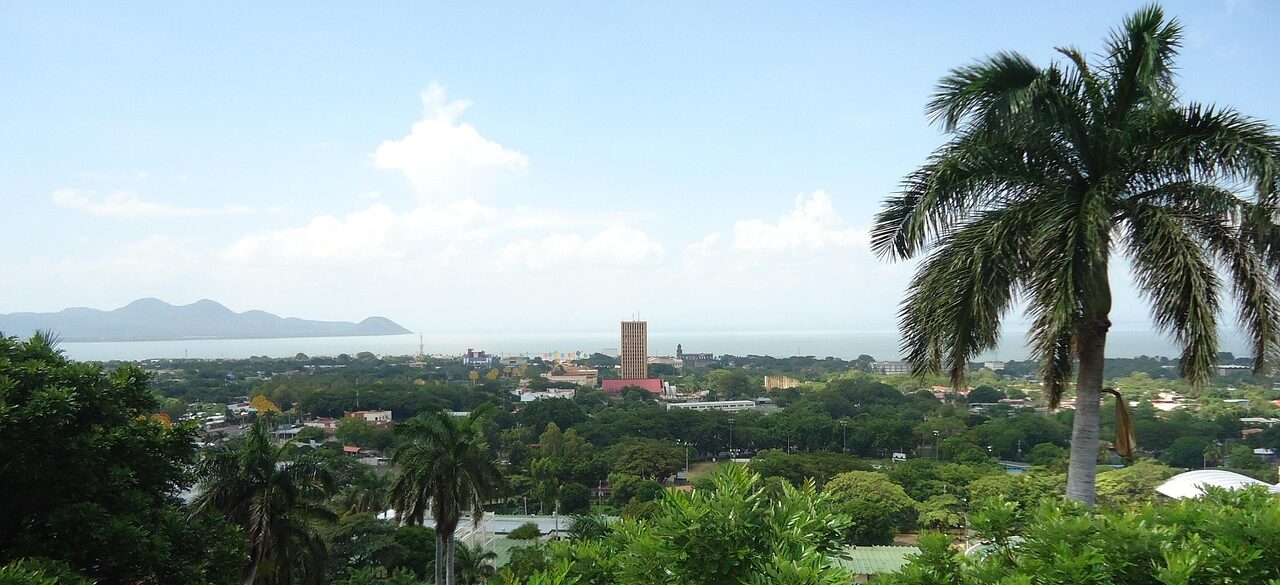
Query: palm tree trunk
pixel 451 577
pixel 439 568
pixel 1083 468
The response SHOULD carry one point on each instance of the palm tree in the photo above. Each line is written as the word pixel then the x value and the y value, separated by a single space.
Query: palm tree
pixel 474 565
pixel 445 470
pixel 367 493
pixel 588 527
pixel 275 495
pixel 1047 172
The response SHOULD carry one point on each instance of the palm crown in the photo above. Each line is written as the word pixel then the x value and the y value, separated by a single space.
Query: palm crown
pixel 1050 169
pixel 445 469
pixel 275 494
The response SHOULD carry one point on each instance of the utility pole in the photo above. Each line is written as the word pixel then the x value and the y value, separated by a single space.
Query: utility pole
pixel 731 439
pixel 844 435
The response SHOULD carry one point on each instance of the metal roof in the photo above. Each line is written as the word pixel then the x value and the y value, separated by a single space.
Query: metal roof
pixel 870 560
pixel 1190 484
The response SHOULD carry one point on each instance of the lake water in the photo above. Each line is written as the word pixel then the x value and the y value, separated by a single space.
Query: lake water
pixel 842 344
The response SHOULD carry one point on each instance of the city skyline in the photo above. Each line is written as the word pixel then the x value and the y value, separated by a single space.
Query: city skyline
pixel 715 168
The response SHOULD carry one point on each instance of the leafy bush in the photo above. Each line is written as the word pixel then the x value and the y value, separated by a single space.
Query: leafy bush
pixel 526 531
pixel 1224 537
pixel 732 533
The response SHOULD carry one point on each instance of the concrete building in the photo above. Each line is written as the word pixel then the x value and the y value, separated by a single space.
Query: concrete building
pixel 722 405
pixel 549 393
pixel 578 378
pixel 475 357
pixel 328 425
pixel 370 416
pixel 635 350
pixel 651 385
pixel 693 360
pixel 891 367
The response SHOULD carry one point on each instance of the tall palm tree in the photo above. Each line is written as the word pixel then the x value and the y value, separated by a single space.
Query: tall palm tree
pixel 275 494
pixel 1048 171
pixel 445 470
pixel 475 565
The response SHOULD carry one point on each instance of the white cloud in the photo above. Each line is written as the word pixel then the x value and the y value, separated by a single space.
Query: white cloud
pixel 447 160
pixel 615 246
pixel 813 225
pixel 375 233
pixel 125 203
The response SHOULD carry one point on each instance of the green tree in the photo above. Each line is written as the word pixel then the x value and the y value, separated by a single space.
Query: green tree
pixel 575 498
pixel 362 541
pixel 1046 455
pixel 876 506
pixel 942 512
pixel 40 572
pixel 87 479
pixel 985 394
pixel 446 467
pixel 1051 169
pixel 526 531
pixel 648 458
pixel 1186 452
pixel 1133 484
pixel 275 494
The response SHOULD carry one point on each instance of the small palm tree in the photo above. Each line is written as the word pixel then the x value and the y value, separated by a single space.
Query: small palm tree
pixel 588 527
pixel 474 565
pixel 445 470
pixel 368 493
pixel 1052 170
pixel 275 494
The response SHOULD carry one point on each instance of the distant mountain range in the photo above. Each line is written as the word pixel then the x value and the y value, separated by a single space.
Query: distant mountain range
pixel 154 319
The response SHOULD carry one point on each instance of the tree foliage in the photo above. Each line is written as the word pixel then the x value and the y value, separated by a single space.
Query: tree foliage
pixel 1219 538
pixel 87 479
pixel 732 534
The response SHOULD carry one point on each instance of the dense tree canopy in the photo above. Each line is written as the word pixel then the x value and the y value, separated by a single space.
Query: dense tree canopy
pixel 89 479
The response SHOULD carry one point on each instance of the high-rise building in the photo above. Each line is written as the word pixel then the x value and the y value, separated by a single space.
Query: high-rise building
pixel 635 350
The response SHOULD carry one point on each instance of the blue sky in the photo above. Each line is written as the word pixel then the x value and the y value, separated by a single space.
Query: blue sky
pixel 524 166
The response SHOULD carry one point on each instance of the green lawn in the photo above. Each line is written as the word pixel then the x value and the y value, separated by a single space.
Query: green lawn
pixel 702 469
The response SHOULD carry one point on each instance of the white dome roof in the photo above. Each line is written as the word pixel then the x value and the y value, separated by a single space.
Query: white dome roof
pixel 1189 484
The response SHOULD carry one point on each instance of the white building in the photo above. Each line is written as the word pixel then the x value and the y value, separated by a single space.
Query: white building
pixel 1225 369
pixel 722 405
pixel 891 367
pixel 1258 420
pixel 371 416
pixel 548 393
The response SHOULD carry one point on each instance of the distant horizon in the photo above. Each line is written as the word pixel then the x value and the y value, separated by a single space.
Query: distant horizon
pixel 779 344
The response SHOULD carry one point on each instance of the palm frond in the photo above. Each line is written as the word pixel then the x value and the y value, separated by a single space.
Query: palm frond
pixel 1170 267
pixel 961 180
pixel 993 88
pixel 1139 60
pixel 953 309
pixel 1254 288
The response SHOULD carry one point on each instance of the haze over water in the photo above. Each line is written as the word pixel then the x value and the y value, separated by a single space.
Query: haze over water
pixel 882 344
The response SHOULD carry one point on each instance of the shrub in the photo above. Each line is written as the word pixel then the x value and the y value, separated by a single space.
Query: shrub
pixel 526 531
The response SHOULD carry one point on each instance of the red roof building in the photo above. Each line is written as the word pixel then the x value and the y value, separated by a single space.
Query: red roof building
pixel 653 385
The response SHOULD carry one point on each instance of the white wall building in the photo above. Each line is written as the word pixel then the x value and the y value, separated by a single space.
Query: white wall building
pixel 722 405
